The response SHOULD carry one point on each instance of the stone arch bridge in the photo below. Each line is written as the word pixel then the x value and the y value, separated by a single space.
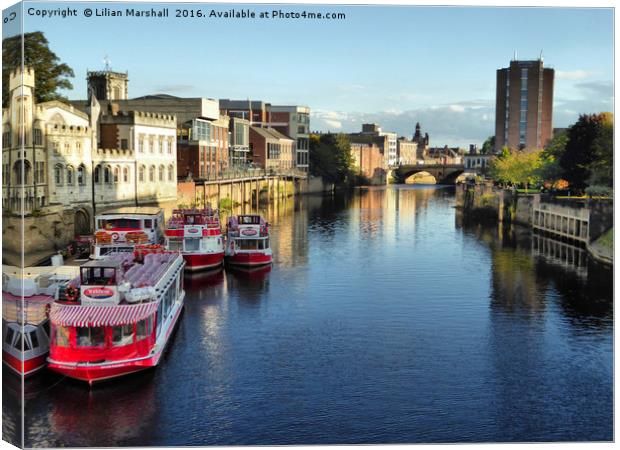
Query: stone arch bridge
pixel 443 173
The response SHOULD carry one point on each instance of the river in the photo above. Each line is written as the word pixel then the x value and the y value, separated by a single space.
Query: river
pixel 386 318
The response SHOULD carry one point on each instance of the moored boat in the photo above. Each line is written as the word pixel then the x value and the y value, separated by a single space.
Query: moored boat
pixel 196 233
pixel 120 230
pixel 27 295
pixel 248 241
pixel 121 316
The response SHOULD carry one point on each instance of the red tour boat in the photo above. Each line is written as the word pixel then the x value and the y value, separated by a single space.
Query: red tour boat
pixel 197 235
pixel 27 295
pixel 120 317
pixel 248 241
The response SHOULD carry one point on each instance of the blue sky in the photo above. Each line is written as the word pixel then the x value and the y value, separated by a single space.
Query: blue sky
pixel 392 65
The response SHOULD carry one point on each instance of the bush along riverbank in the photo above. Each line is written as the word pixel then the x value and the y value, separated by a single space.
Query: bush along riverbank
pixel 582 220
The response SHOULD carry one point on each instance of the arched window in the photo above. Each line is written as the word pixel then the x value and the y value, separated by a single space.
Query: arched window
pixel 81 175
pixel 161 173
pixel 161 144
pixel 141 174
pixel 106 174
pixel 170 172
pixel 97 174
pixel 69 175
pixel 58 174
pixel 117 173
pixel 125 175
pixel 152 174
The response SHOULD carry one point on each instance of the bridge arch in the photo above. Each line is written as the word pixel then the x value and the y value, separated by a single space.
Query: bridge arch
pixel 444 174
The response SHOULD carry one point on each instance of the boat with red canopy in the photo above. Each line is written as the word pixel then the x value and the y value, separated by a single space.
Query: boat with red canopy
pixel 248 241
pixel 120 317
pixel 196 233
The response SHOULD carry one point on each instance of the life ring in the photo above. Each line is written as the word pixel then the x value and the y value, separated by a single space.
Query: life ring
pixel 114 236
pixel 71 293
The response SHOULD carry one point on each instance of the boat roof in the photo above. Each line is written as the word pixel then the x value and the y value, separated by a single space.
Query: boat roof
pixel 144 210
pixel 97 316
pixel 106 262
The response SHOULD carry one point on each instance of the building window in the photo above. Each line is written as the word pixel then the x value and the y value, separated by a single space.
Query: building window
pixel 161 144
pixel 106 174
pixel 39 173
pixel 6 139
pixel 116 175
pixel 97 175
pixel 170 146
pixel 78 148
pixel 141 144
pixel 69 175
pixel 58 172
pixel 170 172
pixel 161 173
pixel 151 144
pixel 81 178
pixel 152 174
pixel 141 174
pixel 67 148
pixel 124 144
pixel 38 137
pixel 125 175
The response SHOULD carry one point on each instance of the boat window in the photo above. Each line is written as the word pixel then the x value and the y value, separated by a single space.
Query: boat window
pixel 143 328
pixel 10 334
pixel 175 244
pixel 90 336
pixel 247 244
pixel 122 335
pixel 123 223
pixel 249 220
pixel 148 223
pixel 21 340
pixel 33 339
pixel 98 275
pixel 61 337
pixel 192 244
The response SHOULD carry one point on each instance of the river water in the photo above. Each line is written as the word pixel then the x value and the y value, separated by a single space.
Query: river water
pixel 385 318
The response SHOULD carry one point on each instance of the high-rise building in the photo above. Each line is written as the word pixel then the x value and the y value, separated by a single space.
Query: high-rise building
pixel 524 105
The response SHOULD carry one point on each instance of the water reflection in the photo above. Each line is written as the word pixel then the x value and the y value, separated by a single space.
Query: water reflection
pixel 380 315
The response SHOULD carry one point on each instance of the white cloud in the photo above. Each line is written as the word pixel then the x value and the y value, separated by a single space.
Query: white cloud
pixel 572 74
pixel 457 108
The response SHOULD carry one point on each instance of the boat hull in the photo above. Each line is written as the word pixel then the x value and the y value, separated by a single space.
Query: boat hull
pixel 250 259
pixel 202 261
pixel 97 372
pixel 29 366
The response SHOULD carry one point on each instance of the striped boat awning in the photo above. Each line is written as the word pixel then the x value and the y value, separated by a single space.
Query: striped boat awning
pixel 97 316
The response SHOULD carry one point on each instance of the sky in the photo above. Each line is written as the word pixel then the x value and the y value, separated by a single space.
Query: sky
pixel 393 65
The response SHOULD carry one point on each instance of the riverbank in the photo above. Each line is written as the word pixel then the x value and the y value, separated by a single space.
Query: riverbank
pixel 584 220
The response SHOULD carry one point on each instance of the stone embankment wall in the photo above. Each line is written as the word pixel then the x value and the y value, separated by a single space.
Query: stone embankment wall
pixel 582 220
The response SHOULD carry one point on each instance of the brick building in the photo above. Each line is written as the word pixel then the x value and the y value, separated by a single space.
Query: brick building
pixel 203 148
pixel 368 159
pixel 524 105
pixel 270 149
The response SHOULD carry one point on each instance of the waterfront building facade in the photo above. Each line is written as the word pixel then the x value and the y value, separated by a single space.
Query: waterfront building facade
pixel 294 122
pixel 203 148
pixel 57 176
pixel 253 111
pixel 270 149
pixel 369 161
pixel 524 105
pixel 407 151
pixel 238 142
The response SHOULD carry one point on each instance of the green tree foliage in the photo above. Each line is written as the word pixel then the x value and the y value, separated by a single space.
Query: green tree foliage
pixel 330 157
pixel 50 74
pixel 551 154
pixel 518 168
pixel 488 147
pixel 587 156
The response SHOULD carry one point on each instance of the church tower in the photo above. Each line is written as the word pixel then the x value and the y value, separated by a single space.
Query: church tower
pixel 107 85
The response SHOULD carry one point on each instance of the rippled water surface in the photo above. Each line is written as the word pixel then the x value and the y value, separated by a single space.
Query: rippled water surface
pixel 385 318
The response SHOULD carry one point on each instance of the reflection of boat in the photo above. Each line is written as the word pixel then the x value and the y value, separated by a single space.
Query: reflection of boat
pixel 120 318
pixel 120 230
pixel 257 273
pixel 248 241
pixel 197 235
pixel 26 298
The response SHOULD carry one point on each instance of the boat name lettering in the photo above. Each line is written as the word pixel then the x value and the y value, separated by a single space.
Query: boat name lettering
pixel 248 232
pixel 99 292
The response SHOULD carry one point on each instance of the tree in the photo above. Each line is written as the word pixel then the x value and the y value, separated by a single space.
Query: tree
pixel 586 139
pixel 51 75
pixel 602 167
pixel 489 146
pixel 330 157
pixel 518 168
